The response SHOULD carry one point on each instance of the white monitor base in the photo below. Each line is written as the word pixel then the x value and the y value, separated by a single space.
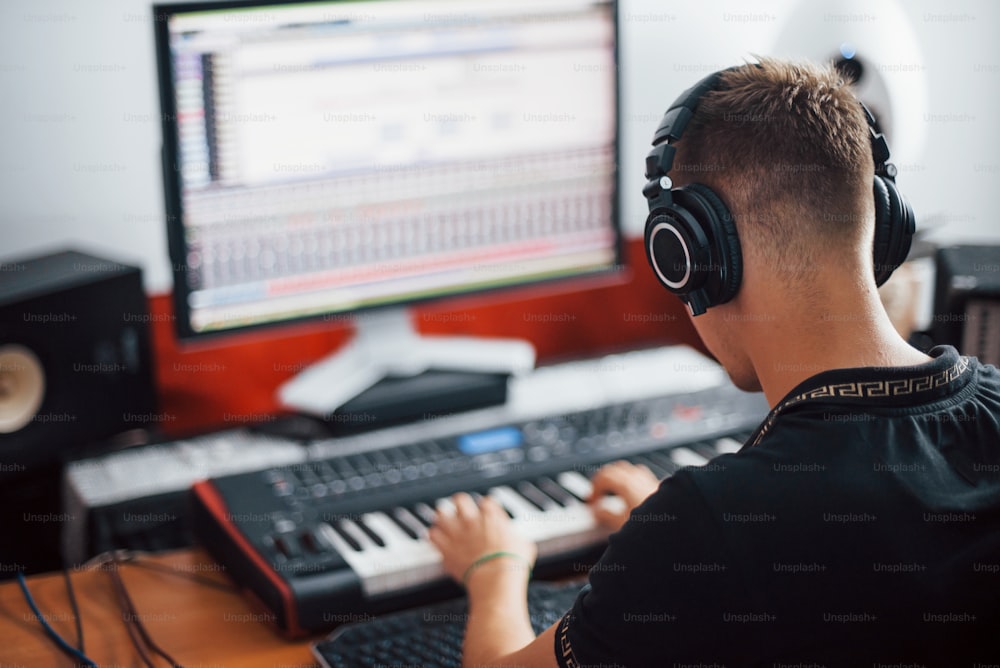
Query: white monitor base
pixel 387 344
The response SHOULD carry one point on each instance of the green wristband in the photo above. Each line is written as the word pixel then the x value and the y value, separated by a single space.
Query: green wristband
pixel 490 557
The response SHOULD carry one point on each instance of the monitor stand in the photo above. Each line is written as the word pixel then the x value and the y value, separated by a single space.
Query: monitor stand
pixel 387 344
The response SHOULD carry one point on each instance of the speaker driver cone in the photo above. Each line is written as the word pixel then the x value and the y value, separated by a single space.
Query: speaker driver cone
pixel 22 387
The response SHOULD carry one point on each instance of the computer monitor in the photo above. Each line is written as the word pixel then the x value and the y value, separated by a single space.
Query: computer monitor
pixel 324 158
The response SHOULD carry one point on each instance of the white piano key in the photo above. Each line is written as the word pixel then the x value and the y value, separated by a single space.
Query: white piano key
pixel 401 564
pixel 555 530
pixel 613 504
pixel 404 561
pixel 445 506
pixel 563 529
pixel 685 457
pixel 579 485
pixel 512 501
pixel 726 445
pixel 575 483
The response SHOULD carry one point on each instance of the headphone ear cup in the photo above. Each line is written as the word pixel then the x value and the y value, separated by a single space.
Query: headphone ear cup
pixel 676 249
pixel 894 227
pixel 727 260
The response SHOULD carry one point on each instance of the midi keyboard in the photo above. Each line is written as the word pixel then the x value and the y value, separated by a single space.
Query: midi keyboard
pixel 343 535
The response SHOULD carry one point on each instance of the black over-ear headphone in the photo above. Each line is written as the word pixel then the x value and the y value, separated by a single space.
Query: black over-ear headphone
pixel 691 241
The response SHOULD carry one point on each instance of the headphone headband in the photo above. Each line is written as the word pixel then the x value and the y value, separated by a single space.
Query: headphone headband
pixel 880 147
pixel 660 160
pixel 676 118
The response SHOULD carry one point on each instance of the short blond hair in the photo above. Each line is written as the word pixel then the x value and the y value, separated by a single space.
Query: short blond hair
pixel 787 147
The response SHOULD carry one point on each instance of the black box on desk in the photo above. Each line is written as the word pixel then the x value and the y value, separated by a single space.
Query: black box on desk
pixel 967 301
pixel 75 362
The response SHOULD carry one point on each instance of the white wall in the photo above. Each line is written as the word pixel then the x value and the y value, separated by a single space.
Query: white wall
pixel 79 107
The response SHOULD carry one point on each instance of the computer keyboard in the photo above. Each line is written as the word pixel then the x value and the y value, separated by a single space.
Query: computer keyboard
pixel 429 636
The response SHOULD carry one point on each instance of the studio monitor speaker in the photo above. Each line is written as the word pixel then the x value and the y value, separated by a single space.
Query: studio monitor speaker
pixel 75 363
pixel 967 301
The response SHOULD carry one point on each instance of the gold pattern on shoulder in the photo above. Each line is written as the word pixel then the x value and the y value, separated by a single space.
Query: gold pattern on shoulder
pixel 869 389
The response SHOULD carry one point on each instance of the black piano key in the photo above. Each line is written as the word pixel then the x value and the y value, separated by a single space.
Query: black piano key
pixel 663 461
pixel 657 470
pixel 346 536
pixel 555 491
pixel 360 523
pixel 704 448
pixel 309 543
pixel 401 517
pixel 535 496
pixel 423 512
pixel 320 541
pixel 505 508
pixel 280 546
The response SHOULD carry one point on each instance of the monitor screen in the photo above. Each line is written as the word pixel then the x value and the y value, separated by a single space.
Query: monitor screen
pixel 325 157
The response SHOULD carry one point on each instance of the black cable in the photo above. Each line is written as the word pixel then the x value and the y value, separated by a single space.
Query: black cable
pixel 58 639
pixel 141 640
pixel 196 577
pixel 127 614
pixel 134 614
pixel 132 557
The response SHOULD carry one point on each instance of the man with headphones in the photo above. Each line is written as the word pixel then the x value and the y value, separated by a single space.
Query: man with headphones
pixel 860 523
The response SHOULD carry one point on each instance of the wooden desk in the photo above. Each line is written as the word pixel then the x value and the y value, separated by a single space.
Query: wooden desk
pixel 201 626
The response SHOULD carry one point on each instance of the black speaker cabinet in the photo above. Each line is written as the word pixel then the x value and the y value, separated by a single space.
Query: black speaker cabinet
pixel 75 363
pixel 967 301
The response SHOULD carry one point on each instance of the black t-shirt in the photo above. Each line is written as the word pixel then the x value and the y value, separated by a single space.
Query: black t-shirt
pixel 858 526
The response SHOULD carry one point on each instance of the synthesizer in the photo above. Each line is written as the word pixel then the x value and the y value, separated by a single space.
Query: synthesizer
pixel 342 536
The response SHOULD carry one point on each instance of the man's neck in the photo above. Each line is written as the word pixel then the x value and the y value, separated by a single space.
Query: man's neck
pixel 799 343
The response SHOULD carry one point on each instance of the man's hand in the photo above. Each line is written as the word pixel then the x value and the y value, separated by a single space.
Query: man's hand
pixel 473 531
pixel 498 631
pixel 631 483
